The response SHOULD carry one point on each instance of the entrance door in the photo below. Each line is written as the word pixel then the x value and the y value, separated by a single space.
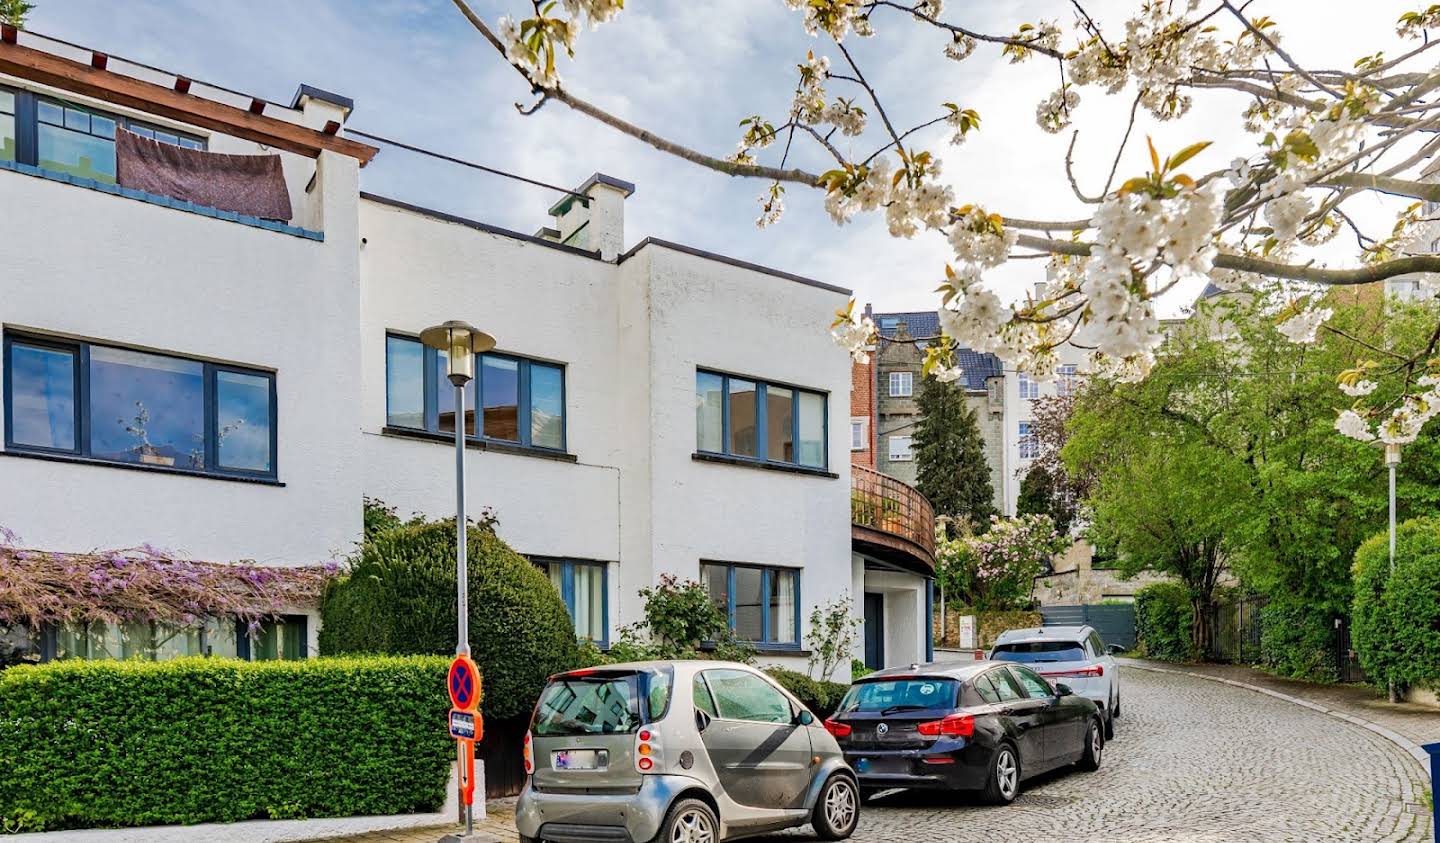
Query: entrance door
pixel 874 631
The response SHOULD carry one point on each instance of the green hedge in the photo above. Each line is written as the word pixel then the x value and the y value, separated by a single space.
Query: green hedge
pixel 1395 625
pixel 108 744
pixel 399 598
pixel 819 696
pixel 1297 640
pixel 1163 616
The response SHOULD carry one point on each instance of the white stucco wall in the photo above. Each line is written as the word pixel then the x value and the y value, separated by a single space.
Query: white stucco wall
pixel 1019 409
pixel 107 268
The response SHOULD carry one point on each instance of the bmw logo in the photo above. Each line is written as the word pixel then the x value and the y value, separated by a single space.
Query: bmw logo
pixel 882 729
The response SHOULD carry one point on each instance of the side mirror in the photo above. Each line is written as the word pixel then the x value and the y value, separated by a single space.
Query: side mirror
pixel 1062 690
pixel 702 720
pixel 805 718
pixel 1115 649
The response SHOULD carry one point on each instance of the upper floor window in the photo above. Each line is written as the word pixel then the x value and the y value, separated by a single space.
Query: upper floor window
pixel 762 421
pixel 902 384
pixel 762 603
pixel 512 399
pixel 68 138
pixel 584 588
pixel 1028 387
pixel 1029 448
pixel 995 391
pixel 119 405
pixel 1067 380
pixel 900 449
pixel 858 438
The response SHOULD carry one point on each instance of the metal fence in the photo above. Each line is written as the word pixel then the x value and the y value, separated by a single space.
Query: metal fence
pixel 1237 627
pixel 1114 621
pixel 891 506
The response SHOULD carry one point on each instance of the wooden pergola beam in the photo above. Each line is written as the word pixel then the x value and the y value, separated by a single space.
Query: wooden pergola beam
pixel 46 69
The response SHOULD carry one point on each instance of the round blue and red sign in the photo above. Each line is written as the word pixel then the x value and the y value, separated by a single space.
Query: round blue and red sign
pixel 464 684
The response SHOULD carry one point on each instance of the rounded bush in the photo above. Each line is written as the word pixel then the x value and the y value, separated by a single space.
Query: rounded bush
pixel 1395 624
pixel 819 696
pixel 1163 617
pixel 399 598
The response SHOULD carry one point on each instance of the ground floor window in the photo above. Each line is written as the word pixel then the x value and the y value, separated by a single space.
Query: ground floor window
pixel 584 586
pixel 762 603
pixel 282 638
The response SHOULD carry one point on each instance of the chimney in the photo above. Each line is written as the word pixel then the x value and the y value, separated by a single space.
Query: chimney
pixel 319 109
pixel 1042 290
pixel 597 224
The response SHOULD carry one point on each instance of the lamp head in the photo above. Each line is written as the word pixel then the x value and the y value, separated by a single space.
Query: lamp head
pixel 460 341
pixel 1392 453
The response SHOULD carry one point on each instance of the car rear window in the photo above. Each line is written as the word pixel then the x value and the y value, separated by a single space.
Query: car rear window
pixel 1029 652
pixel 601 703
pixel 895 695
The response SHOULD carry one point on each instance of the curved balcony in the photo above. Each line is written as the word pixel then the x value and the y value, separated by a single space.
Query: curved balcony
pixel 891 521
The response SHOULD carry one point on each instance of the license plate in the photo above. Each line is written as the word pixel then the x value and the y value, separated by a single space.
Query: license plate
pixel 579 759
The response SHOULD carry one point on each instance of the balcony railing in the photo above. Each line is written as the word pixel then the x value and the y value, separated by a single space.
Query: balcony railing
pixel 893 515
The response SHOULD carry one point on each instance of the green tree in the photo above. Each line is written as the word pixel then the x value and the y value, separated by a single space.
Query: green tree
pixel 13 12
pixel 1040 495
pixel 950 455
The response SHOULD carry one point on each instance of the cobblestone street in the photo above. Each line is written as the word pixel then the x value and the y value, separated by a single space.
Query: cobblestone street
pixel 1193 762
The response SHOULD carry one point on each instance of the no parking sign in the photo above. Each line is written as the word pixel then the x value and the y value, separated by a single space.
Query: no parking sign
pixel 463 683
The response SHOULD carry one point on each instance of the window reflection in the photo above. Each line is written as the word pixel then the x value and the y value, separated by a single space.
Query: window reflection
pixel 445 398
pixel 7 126
pixel 779 418
pixel 145 408
pixel 500 384
pixel 812 430
pixel 71 141
pixel 242 421
pixel 749 600
pixel 744 435
pixel 42 396
pixel 547 406
pixel 404 383
pixel 709 412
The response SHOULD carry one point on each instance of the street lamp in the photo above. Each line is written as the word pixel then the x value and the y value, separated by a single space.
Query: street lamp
pixel 1392 459
pixel 461 342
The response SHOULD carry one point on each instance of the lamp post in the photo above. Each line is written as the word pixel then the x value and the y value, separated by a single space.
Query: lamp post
pixel 1392 460
pixel 460 342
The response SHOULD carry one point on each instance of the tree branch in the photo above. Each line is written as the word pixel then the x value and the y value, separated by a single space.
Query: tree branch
pixel 1276 49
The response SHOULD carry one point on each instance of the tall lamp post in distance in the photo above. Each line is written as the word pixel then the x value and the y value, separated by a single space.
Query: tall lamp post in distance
pixel 1392 461
pixel 461 342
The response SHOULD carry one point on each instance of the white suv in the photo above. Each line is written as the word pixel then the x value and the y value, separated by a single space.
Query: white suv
pixel 1074 655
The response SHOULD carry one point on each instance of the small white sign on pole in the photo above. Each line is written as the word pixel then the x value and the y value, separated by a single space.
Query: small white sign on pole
pixel 967 632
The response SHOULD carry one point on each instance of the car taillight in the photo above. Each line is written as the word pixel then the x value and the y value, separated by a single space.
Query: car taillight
pixel 979 655
pixel 953 726
pixel 839 730
pixel 1079 672
pixel 647 750
pixel 529 756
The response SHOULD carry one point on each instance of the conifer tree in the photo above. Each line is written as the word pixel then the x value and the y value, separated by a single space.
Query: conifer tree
pixel 950 456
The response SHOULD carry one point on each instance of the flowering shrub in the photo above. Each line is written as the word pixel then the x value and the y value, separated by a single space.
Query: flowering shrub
pixel 146 584
pixel 998 568
pixel 680 616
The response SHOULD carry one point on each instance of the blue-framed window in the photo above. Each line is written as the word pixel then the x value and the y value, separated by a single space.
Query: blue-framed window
pixel 515 400
pixel 585 588
pixel 281 638
pixel 762 602
pixel 120 405
pixel 758 420
pixel 64 137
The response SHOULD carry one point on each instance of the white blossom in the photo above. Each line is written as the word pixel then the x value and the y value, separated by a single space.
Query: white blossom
pixel 857 336
pixel 844 116
pixel 1286 213
pixel 974 319
pixel 960 47
pixel 598 11
pixel 1359 388
pixel 976 242
pixel 1055 111
pixel 1353 425
pixel 930 8
pixel 948 374
pixel 1302 327
pixel 772 207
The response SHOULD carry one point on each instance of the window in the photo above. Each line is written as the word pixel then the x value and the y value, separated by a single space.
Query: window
pixel 701 693
pixel 767 422
pixel 1039 651
pixel 1028 387
pixel 1003 684
pixel 762 603
pixel 124 406
pixel 64 137
pixel 584 586
pixel 284 638
pixel 889 323
pixel 1067 380
pixel 859 438
pixel 520 401
pixel 1035 687
pixel 902 384
pixel 900 450
pixel 995 390
pixel 741 695
pixel 1029 448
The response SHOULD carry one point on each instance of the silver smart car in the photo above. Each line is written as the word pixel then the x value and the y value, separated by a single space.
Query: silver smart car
pixel 678 752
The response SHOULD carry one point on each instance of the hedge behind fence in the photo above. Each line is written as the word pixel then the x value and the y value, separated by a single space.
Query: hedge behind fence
pixel 1163 617
pixel 94 744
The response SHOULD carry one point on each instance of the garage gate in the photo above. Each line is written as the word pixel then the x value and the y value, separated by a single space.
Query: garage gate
pixel 1114 621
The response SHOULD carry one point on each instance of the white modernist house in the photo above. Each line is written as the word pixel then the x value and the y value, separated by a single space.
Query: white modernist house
pixel 230 388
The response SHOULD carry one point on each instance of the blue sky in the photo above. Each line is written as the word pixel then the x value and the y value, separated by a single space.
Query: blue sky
pixel 690 71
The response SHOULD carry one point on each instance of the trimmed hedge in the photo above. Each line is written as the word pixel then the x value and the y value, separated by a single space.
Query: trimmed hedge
pixel 1297 640
pixel 1395 623
pixel 1163 617
pixel 399 598
pixel 109 744
pixel 819 696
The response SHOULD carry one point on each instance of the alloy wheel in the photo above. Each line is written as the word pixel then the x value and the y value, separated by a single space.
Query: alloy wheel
pixel 840 803
pixel 1007 775
pixel 693 827
pixel 1097 744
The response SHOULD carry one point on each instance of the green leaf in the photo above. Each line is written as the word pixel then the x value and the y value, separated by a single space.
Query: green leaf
pixel 1186 154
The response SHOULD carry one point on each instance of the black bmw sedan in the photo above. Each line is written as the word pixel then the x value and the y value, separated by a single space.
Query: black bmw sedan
pixel 982 726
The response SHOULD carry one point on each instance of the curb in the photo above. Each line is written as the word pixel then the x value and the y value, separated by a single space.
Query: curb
pixel 1421 757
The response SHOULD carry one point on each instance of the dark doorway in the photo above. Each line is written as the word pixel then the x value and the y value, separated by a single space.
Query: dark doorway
pixel 874 631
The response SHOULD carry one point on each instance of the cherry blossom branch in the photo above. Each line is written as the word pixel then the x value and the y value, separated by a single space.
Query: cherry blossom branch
pixel 1028 44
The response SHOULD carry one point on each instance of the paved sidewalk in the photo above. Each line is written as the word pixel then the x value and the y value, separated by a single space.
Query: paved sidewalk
pixel 499 821
pixel 1407 724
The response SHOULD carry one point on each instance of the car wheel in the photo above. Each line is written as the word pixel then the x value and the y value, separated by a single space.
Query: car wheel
pixel 1094 746
pixel 1109 724
pixel 1117 705
pixel 1003 784
pixel 837 811
pixel 689 821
